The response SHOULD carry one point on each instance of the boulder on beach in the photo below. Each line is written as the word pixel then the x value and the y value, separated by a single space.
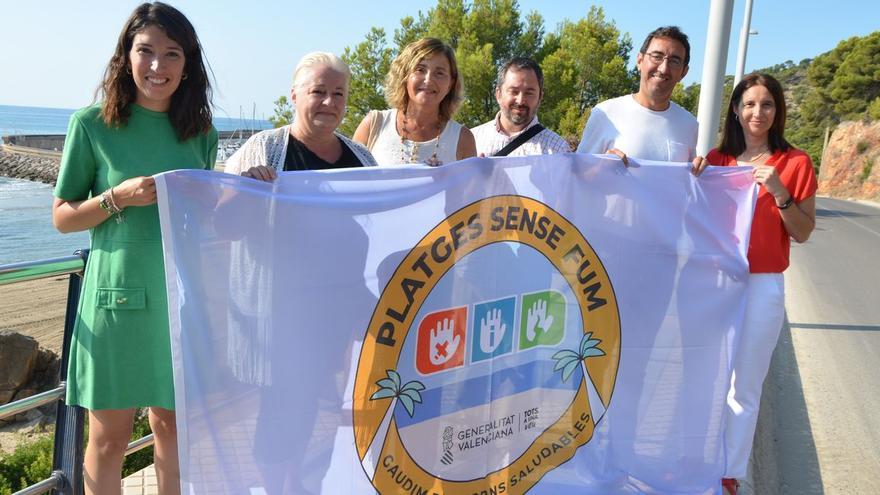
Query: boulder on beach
pixel 25 370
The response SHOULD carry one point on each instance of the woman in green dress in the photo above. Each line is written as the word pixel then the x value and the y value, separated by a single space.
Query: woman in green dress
pixel 155 116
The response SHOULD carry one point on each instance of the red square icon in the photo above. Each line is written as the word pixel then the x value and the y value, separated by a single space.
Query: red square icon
pixel 442 340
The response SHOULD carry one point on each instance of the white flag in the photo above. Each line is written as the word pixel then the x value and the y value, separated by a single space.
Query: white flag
pixel 552 324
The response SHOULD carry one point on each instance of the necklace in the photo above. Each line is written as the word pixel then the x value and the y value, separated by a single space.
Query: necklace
pixel 756 157
pixel 409 148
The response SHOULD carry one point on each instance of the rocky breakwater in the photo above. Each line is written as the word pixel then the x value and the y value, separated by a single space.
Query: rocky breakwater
pixel 851 163
pixel 26 369
pixel 35 166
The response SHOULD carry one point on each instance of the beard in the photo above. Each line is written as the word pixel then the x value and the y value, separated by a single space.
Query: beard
pixel 521 118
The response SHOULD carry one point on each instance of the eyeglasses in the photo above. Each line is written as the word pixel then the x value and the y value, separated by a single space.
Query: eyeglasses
pixel 673 61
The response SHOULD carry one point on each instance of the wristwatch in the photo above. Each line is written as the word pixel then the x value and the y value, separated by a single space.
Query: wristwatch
pixel 788 202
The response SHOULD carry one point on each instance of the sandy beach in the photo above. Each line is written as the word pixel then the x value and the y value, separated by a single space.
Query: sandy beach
pixel 36 308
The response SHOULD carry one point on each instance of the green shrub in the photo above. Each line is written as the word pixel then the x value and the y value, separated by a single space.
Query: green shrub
pixel 874 109
pixel 866 169
pixel 31 462
pixel 142 458
pixel 861 147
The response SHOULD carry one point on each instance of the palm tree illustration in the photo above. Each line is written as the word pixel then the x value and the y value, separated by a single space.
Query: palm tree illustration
pixel 392 387
pixel 567 361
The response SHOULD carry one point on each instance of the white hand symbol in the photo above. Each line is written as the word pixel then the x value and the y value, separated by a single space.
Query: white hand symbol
pixel 536 317
pixel 444 342
pixel 491 331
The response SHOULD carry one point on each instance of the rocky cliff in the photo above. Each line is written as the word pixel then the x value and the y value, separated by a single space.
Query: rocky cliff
pixel 851 162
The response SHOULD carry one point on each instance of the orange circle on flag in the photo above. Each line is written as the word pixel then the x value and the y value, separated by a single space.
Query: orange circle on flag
pixel 378 386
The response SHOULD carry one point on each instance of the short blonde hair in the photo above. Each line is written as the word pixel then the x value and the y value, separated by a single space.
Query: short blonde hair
pixel 403 65
pixel 320 59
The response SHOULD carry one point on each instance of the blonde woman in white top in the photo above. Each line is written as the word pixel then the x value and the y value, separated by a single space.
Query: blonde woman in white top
pixel 424 89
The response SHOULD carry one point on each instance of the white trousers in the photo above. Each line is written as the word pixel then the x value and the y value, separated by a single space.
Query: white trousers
pixel 765 312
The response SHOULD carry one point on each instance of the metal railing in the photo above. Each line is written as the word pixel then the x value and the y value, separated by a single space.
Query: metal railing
pixel 67 458
pixel 32 270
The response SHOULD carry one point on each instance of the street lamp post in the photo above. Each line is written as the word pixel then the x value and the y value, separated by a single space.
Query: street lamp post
pixel 743 43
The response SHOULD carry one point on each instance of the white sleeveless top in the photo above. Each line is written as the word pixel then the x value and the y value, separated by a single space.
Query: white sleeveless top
pixel 391 149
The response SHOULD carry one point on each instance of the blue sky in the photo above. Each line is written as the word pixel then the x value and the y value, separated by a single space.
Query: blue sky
pixel 52 54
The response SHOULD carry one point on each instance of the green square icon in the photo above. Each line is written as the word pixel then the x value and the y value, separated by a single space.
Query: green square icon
pixel 542 320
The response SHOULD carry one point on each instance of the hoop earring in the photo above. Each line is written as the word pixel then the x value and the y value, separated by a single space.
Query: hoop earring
pixel 184 76
pixel 128 70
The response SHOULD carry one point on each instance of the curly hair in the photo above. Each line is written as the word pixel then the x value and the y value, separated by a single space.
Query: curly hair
pixel 733 141
pixel 404 64
pixel 190 110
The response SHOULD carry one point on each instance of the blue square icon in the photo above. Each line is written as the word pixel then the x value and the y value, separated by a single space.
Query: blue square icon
pixel 493 330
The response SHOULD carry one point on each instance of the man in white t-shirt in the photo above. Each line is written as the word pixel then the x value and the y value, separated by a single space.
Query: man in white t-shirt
pixel 647 124
pixel 519 90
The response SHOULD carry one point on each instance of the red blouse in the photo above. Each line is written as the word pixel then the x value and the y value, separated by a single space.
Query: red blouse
pixel 769 243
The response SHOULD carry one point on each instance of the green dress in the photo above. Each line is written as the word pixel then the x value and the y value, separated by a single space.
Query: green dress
pixel 120 354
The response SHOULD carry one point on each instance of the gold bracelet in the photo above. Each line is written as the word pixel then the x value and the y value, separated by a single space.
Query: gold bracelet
pixel 106 204
pixel 120 216
pixel 113 201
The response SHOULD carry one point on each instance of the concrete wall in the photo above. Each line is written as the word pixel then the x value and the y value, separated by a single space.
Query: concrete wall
pixel 55 142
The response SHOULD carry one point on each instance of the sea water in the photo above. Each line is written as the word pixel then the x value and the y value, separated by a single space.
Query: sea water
pixel 37 120
pixel 26 231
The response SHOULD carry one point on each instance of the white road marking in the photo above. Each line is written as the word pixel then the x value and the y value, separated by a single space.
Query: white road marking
pixel 852 222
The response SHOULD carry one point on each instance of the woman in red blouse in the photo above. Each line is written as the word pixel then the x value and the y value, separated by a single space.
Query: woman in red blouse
pixel 786 209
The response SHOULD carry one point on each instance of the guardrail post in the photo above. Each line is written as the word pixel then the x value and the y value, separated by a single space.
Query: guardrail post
pixel 68 452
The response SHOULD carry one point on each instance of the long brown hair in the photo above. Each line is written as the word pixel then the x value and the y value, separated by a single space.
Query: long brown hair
pixel 190 110
pixel 733 141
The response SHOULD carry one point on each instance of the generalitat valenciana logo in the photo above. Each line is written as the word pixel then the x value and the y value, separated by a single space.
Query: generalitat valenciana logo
pixel 490 357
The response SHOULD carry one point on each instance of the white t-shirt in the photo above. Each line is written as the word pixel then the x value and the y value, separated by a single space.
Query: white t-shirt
pixel 622 123
pixel 391 149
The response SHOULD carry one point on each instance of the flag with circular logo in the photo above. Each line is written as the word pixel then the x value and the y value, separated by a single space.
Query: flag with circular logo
pixel 530 325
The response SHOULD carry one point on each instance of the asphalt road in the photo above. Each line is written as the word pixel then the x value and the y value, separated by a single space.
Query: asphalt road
pixel 819 429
